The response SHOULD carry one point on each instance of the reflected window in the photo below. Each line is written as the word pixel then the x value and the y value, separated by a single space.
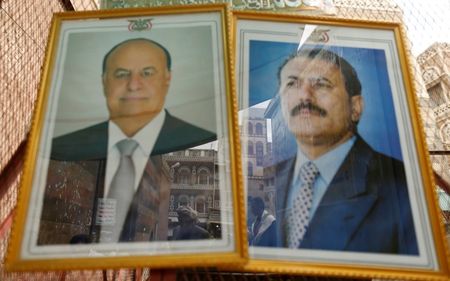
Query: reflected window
pixel 200 205
pixel 203 176
pixel 436 95
pixel 259 153
pixel 259 128
pixel 250 148
pixel 250 128
pixel 184 176
pixel 269 147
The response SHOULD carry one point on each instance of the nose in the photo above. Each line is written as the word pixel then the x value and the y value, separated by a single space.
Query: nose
pixel 305 91
pixel 134 82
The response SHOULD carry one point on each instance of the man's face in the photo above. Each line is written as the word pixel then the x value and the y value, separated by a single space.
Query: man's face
pixel 136 80
pixel 315 103
pixel 256 210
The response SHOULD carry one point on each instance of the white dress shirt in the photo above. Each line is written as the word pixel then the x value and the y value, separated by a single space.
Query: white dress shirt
pixel 146 138
pixel 327 164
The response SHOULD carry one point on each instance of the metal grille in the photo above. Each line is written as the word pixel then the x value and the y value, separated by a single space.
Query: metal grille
pixel 24 30
pixel 24 27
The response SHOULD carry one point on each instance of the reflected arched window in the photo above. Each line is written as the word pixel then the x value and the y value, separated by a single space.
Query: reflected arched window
pixel 259 128
pixel 250 169
pixel 200 205
pixel 250 148
pixel 250 128
pixel 259 148
pixel 203 176
pixel 437 97
pixel 259 153
pixel 269 147
pixel 184 176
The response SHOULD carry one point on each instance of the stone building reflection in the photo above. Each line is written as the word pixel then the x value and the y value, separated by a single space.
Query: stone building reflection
pixel 194 182
pixel 257 154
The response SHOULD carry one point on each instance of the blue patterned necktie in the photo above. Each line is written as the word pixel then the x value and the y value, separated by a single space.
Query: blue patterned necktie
pixel 299 215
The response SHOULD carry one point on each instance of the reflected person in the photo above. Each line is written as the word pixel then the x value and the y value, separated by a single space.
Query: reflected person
pixel 188 228
pixel 106 181
pixel 337 193
pixel 262 229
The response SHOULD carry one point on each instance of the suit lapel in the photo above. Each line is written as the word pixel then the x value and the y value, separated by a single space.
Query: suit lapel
pixel 345 203
pixel 283 179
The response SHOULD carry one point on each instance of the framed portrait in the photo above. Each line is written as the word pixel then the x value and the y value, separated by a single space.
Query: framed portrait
pixel 133 157
pixel 335 167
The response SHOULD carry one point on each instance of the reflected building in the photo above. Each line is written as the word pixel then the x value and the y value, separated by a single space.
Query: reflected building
pixel 194 182
pixel 257 156
pixel 434 64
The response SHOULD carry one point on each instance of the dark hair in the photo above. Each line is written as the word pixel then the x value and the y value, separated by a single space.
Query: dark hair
pixel 258 203
pixel 80 239
pixel 166 52
pixel 352 83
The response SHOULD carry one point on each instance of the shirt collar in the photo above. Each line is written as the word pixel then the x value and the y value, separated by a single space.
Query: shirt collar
pixel 145 137
pixel 327 164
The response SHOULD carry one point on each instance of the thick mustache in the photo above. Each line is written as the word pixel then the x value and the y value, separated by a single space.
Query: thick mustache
pixel 310 106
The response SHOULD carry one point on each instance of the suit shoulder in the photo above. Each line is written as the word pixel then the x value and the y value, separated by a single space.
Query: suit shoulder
pixel 187 128
pixel 177 134
pixel 365 153
pixel 386 162
pixel 81 143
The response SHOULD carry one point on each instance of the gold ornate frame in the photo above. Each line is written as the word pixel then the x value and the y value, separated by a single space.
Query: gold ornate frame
pixel 211 24
pixel 262 42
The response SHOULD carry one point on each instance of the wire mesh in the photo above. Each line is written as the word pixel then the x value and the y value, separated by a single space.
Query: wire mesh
pixel 24 30
pixel 24 27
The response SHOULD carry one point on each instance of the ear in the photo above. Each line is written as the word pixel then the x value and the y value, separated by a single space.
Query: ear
pixel 357 104
pixel 168 77
pixel 104 83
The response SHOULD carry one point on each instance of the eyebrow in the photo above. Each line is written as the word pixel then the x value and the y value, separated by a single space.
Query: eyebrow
pixel 292 77
pixel 120 69
pixel 126 69
pixel 324 78
pixel 319 78
pixel 149 68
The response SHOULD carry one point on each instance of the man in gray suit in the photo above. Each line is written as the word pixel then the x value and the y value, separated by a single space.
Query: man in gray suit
pixel 94 188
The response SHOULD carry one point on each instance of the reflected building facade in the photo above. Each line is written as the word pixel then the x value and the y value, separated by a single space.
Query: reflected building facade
pixel 434 65
pixel 194 179
pixel 257 156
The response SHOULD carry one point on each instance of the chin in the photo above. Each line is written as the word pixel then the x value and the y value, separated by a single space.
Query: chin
pixel 305 128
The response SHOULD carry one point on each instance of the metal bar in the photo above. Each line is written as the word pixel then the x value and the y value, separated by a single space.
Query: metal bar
pixel 6 224
pixel 442 183
pixel 439 152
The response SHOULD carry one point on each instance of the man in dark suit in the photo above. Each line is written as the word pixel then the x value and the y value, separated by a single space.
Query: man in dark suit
pixel 95 189
pixel 337 193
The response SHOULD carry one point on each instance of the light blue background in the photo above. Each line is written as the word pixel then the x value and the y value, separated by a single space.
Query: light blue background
pixel 378 124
